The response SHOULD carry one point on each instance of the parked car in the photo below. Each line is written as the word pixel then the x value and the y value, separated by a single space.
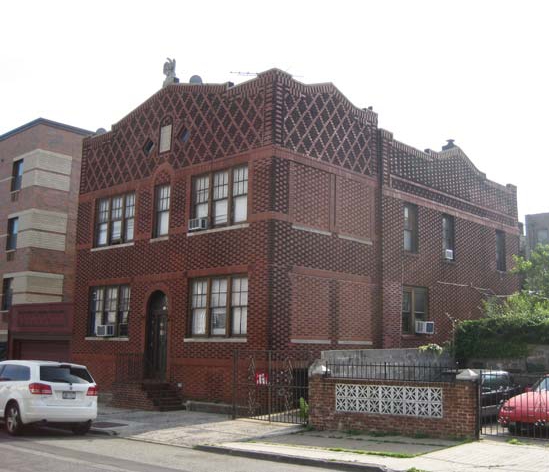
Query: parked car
pixel 528 410
pixel 47 392
pixel 497 386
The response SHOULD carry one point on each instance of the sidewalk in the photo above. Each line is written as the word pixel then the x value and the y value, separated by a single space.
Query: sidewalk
pixel 331 449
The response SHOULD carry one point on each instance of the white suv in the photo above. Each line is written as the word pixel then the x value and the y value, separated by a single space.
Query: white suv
pixel 46 392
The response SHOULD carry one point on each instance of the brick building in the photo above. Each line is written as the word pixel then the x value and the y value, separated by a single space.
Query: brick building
pixel 537 230
pixel 39 177
pixel 274 215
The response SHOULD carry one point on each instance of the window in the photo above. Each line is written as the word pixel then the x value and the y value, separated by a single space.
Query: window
pixel 165 138
pixel 448 248
pixel 7 291
pixel 219 306
pixel 184 135
pixel 221 197
pixel 65 373
pixel 17 175
pixel 148 148
pixel 13 228
pixel 162 205
pixel 410 228
pixel 15 372
pixel 115 220
pixel 500 251
pixel 414 308
pixel 110 305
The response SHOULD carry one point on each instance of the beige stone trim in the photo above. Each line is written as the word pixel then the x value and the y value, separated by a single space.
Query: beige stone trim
pixel 30 273
pixel 19 298
pixel 41 239
pixel 37 284
pixel 46 179
pixel 46 160
pixel 41 220
pixel 36 287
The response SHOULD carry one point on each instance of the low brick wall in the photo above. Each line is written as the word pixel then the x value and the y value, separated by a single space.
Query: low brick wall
pixel 457 408
pixel 130 395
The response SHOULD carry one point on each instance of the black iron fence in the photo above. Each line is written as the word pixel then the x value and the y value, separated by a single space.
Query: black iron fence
pixel 271 385
pixel 132 367
pixel 349 369
pixel 514 404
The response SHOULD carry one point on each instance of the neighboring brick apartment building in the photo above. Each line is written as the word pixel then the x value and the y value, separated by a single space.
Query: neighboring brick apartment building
pixel 274 215
pixel 39 177
pixel 537 230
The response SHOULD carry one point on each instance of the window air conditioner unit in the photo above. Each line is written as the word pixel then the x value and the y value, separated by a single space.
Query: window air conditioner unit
pixel 105 330
pixel 449 254
pixel 197 224
pixel 425 327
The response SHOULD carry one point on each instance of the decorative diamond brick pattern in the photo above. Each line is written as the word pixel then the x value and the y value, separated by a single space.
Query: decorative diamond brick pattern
pixel 453 173
pixel 390 400
pixel 219 125
pixel 320 126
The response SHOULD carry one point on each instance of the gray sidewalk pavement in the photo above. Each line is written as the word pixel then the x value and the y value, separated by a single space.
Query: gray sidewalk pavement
pixel 331 449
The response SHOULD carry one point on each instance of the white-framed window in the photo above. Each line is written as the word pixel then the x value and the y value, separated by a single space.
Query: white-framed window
pixel 414 308
pixel 110 305
pixel 410 228
pixel 162 206
pixel 115 220
pixel 448 237
pixel 165 138
pixel 222 196
pixel 219 306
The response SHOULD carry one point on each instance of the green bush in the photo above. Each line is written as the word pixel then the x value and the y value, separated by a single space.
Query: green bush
pixel 506 330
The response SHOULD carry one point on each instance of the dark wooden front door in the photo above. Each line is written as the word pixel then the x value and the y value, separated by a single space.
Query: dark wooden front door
pixel 157 337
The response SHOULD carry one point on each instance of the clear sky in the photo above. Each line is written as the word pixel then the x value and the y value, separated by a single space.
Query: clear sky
pixel 475 71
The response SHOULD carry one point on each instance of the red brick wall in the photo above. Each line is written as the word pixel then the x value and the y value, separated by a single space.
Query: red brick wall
pixel 459 411
pixel 311 200
pixel 356 311
pixel 355 210
pixel 455 288
pixel 310 307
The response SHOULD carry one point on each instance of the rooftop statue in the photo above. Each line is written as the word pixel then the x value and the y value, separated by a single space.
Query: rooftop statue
pixel 169 72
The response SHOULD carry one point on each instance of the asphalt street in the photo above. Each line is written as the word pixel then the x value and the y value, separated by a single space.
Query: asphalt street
pixel 44 450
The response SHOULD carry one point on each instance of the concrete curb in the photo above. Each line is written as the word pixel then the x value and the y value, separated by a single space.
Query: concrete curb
pixel 296 460
pixel 102 432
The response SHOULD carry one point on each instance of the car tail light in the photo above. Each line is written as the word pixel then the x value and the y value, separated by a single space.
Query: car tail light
pixel 39 389
pixel 92 391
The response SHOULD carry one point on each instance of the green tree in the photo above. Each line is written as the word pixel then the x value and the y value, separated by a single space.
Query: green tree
pixel 511 324
pixel 535 271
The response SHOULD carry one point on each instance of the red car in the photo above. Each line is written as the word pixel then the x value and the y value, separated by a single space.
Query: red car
pixel 528 410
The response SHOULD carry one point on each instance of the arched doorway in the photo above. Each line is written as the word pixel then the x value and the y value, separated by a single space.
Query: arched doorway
pixel 157 336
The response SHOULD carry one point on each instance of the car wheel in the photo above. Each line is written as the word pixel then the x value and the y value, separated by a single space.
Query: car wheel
pixel 512 429
pixel 14 424
pixel 81 428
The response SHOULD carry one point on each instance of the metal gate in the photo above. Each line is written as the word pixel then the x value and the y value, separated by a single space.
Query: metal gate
pixel 513 404
pixel 271 385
